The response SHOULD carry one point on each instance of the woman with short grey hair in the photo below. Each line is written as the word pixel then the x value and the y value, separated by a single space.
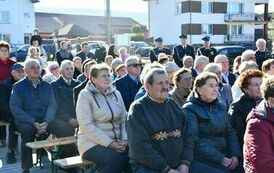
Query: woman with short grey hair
pixel 224 90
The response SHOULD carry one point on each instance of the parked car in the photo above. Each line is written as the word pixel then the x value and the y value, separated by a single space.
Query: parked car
pixel 134 45
pixel 20 54
pixel 230 51
pixel 144 51
pixel 94 45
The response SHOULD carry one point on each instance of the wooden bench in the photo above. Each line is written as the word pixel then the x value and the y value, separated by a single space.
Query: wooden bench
pixel 3 123
pixel 49 145
pixel 52 142
pixel 73 162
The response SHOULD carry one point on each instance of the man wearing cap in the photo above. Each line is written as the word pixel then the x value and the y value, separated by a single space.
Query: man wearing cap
pixel 153 53
pixel 207 50
pixel 180 51
pixel 17 73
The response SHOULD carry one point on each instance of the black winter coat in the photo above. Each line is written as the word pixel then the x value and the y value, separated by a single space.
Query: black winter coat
pixel 64 98
pixel 213 135
pixel 5 91
pixel 238 112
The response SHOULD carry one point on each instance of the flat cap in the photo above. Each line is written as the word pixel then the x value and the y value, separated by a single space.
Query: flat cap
pixel 159 39
pixel 17 66
pixel 183 36
pixel 206 38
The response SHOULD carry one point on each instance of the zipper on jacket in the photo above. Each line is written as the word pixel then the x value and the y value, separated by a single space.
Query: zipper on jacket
pixel 112 118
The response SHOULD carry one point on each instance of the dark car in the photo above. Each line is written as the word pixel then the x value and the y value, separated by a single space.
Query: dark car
pixel 21 53
pixel 230 51
pixel 144 52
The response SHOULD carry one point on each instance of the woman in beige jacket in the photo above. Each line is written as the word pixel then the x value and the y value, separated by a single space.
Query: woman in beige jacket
pixel 101 115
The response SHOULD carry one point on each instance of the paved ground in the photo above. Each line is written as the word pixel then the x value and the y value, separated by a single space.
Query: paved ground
pixel 16 167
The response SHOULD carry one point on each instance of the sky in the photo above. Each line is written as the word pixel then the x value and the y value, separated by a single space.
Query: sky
pixel 136 9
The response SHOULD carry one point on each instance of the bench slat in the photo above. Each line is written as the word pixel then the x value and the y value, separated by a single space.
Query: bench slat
pixel 52 142
pixel 71 162
pixel 2 123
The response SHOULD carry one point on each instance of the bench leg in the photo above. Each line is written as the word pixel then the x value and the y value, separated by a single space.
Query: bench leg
pixel 38 161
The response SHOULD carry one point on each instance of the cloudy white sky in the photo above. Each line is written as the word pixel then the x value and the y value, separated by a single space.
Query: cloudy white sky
pixel 136 9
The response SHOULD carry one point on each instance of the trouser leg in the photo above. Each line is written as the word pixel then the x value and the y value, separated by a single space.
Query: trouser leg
pixel 28 132
pixel 107 160
pixel 13 138
pixel 62 129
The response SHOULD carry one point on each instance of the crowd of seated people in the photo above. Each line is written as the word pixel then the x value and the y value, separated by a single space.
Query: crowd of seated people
pixel 180 113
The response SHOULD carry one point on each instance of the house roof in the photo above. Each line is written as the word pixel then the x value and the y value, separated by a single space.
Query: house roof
pixel 73 30
pixel 34 1
pixel 51 22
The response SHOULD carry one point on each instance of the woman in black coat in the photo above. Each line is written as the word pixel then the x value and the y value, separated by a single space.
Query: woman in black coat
pixel 216 146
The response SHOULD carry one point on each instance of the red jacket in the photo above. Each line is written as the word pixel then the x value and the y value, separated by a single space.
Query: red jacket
pixel 5 69
pixel 259 140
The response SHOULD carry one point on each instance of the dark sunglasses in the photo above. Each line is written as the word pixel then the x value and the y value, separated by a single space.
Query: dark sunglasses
pixel 135 65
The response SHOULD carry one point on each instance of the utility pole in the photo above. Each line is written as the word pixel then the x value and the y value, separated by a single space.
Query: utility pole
pixel 108 24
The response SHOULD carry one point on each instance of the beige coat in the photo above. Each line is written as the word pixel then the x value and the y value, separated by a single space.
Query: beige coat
pixel 101 117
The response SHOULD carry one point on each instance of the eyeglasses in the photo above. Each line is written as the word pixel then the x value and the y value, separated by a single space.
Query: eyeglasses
pixel 135 65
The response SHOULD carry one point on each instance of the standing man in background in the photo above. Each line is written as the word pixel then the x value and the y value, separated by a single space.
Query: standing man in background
pixel 207 50
pixel 182 50
pixel 153 53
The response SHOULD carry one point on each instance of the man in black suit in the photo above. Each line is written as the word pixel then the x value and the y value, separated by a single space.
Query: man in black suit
pixel 180 51
pixel 207 50
pixel 85 54
pixel 153 53
pixel 129 84
pixel 227 77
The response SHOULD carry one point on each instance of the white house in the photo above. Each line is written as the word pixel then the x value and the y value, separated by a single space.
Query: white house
pixel 17 20
pixel 225 21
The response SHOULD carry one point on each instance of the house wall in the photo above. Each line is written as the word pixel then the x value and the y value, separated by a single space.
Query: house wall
pixel 166 23
pixel 22 21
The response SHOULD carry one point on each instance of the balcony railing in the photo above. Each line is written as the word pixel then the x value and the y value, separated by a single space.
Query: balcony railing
pixel 240 17
pixel 239 38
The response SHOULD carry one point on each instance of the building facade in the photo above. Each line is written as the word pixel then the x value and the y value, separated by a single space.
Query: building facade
pixel 225 21
pixel 17 20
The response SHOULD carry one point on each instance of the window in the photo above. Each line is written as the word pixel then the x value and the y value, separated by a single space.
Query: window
pixel 5 37
pixel 207 7
pixel 27 15
pixel 207 29
pixel 235 8
pixel 4 17
pixel 178 8
pixel 235 29
pixel 27 37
